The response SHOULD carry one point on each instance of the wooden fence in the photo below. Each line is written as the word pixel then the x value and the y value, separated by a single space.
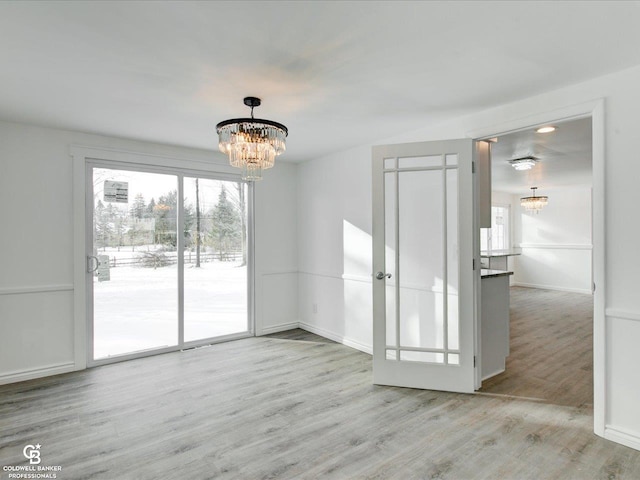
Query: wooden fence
pixel 160 259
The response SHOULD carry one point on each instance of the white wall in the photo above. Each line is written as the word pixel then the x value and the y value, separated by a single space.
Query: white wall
pixel 334 238
pixel 556 242
pixel 276 250
pixel 502 198
pixel 337 188
pixel 37 266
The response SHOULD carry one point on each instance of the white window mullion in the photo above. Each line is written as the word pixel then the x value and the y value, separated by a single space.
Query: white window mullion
pixel 180 248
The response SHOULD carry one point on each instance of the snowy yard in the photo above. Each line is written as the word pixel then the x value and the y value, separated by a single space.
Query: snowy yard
pixel 137 309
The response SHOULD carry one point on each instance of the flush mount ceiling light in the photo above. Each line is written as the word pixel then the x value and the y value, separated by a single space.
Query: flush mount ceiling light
pixel 547 129
pixel 252 144
pixel 534 203
pixel 524 163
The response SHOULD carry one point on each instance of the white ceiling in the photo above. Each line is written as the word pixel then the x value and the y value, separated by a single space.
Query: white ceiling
pixel 338 74
pixel 564 158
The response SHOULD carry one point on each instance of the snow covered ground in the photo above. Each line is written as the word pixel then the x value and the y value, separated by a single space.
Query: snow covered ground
pixel 137 309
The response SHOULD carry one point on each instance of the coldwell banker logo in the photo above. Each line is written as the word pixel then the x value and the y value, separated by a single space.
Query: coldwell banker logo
pixel 32 452
pixel 34 469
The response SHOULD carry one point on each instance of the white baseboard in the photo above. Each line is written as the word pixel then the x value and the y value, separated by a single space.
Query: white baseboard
pixel 624 437
pixel 279 328
pixel 623 314
pixel 493 374
pixel 336 338
pixel 21 376
pixel 551 287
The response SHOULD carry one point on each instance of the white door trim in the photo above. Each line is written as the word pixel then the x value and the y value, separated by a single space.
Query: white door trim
pixel 596 110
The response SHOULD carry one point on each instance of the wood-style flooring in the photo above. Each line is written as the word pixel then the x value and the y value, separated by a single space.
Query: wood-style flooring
pixel 277 408
pixel 551 348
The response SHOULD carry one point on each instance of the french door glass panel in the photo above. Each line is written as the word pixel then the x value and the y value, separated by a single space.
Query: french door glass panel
pixel 135 297
pixel 215 258
pixel 424 293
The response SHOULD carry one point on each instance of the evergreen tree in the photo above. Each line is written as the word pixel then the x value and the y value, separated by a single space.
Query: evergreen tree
pixel 166 220
pixel 138 207
pixel 242 207
pixel 165 214
pixel 121 225
pixel 149 209
pixel 226 231
pixel 102 227
pixel 189 220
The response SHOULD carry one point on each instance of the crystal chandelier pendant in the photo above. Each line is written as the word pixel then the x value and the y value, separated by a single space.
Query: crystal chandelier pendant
pixel 524 163
pixel 534 203
pixel 252 144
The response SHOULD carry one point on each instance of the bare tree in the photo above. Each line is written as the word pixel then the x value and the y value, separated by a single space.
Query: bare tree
pixel 198 234
pixel 242 208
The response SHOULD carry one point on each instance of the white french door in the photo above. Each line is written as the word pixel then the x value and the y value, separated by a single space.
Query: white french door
pixel 168 260
pixel 423 257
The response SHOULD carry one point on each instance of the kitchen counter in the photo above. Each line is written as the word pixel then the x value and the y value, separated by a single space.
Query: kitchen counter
pixel 499 253
pixel 488 272
pixel 497 259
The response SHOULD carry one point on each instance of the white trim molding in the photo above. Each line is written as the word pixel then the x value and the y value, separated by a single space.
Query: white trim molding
pixel 580 110
pixel 279 272
pixel 622 436
pixel 337 276
pixel 552 287
pixel 319 331
pixel 36 289
pixel 30 374
pixel 336 338
pixel 622 314
pixel 357 278
pixel 209 160
pixel 557 246
pixel 283 327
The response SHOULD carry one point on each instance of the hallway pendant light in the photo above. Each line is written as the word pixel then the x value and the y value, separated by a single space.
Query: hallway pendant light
pixel 524 163
pixel 252 144
pixel 534 203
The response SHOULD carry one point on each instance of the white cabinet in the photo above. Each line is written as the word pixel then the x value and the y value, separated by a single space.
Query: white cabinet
pixel 494 322
pixel 483 159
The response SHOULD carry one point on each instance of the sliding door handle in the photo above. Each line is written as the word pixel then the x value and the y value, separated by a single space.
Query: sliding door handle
pixel 92 263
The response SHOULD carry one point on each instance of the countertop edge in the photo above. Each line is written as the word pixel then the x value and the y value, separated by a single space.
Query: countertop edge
pixel 488 273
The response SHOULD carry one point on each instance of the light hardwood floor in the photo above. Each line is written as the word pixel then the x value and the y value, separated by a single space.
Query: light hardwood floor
pixel 551 348
pixel 278 408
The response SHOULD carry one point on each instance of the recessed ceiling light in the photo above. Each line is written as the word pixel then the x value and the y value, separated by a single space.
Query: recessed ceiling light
pixel 547 129
pixel 525 163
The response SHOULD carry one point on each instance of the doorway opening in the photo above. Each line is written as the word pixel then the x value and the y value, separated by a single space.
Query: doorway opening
pixel 548 255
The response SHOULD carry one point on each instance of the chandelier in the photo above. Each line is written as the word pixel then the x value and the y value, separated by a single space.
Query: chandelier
pixel 534 203
pixel 252 144
pixel 524 163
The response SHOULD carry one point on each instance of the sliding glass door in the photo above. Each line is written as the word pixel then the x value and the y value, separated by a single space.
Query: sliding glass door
pixel 215 258
pixel 168 262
